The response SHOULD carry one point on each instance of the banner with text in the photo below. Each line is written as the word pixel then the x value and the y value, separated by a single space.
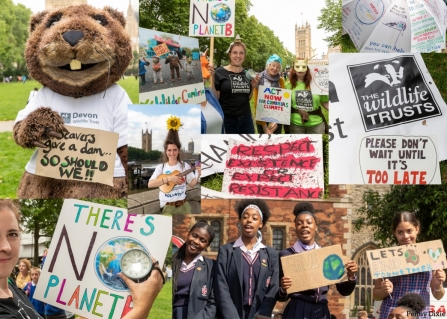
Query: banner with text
pixel 273 105
pixel 405 260
pixel 283 167
pixel 392 159
pixel 390 94
pixel 83 154
pixel 174 81
pixel 80 271
pixel 315 268
pixel 320 79
pixel 212 18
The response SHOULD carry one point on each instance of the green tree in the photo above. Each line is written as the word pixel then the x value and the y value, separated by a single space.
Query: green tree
pixel 330 21
pixel 168 16
pixel 39 217
pixel 14 21
pixel 428 202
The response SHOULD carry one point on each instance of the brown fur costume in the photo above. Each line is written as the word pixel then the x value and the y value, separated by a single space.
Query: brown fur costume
pixel 96 40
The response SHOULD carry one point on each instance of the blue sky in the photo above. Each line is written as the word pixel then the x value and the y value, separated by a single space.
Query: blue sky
pixel 154 118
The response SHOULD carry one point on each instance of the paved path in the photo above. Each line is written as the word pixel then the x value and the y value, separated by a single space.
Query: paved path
pixel 6 126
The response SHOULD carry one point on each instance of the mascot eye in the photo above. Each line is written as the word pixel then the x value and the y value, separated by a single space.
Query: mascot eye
pixel 53 20
pixel 100 19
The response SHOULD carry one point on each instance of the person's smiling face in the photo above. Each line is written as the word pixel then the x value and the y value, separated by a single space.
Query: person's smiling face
pixel 237 55
pixel 172 152
pixel 9 242
pixel 406 233
pixel 198 240
pixel 273 68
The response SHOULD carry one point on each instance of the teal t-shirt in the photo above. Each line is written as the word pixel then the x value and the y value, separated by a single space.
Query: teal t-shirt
pixel 295 118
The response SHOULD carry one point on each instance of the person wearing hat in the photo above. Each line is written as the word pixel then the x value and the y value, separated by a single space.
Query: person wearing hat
pixel 311 303
pixel 247 274
pixel 234 91
pixel 270 77
pixel 306 116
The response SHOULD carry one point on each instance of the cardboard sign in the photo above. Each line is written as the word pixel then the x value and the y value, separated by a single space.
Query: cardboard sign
pixel 80 271
pixel 408 259
pixel 385 95
pixel 161 49
pixel 82 154
pixel 392 159
pixel 273 105
pixel 186 87
pixel 211 18
pixel 315 268
pixel 283 167
pixel 320 79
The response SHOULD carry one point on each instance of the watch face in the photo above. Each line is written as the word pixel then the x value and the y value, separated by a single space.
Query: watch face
pixel 136 263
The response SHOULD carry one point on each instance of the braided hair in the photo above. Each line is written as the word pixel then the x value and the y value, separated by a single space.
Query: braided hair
pixel 179 255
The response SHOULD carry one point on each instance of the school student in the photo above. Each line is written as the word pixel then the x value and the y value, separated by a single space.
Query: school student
pixel 247 270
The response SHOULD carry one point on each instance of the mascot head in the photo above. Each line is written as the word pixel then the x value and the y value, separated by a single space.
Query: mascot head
pixel 78 50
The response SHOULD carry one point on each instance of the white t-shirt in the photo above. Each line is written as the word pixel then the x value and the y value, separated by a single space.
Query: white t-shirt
pixel 179 191
pixel 107 114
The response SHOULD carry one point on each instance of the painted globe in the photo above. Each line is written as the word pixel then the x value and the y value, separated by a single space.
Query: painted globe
pixel 108 261
pixel 220 13
pixel 333 267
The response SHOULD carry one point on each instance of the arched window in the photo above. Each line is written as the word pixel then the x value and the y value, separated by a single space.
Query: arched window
pixel 278 239
pixel 214 247
pixel 365 285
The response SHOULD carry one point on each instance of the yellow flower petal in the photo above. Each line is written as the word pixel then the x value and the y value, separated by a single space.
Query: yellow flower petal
pixel 173 123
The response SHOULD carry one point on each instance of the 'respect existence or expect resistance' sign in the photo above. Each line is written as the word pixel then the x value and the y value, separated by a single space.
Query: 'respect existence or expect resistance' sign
pixel 284 167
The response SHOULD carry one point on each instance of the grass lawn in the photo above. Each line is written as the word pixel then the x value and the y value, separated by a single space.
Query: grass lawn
pixel 15 95
pixel 162 308
pixel 13 159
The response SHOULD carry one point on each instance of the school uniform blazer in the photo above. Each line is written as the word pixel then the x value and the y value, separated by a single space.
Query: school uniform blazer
pixel 228 283
pixel 201 304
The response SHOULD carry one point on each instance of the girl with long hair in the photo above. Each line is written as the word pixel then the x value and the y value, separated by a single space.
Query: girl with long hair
pixel 193 276
pixel 406 227
pixel 306 116
pixel 170 173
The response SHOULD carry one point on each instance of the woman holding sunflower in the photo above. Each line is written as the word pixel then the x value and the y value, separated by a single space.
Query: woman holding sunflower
pixel 174 173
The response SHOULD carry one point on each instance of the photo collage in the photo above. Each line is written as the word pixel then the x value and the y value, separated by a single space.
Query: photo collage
pixel 223 159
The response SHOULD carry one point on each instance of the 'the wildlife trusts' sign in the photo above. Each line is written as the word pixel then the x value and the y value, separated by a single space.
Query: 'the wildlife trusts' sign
pixel 391 92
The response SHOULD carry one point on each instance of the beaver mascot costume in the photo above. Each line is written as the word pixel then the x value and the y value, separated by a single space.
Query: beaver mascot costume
pixel 77 53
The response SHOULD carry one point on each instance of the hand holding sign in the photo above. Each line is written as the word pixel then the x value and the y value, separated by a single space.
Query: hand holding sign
pixel 351 268
pixel 438 278
pixel 386 286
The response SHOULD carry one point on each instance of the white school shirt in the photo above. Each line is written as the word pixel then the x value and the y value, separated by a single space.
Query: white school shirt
pixel 252 253
pixel 95 112
pixel 179 191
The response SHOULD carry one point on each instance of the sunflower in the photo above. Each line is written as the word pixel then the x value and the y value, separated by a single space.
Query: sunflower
pixel 173 123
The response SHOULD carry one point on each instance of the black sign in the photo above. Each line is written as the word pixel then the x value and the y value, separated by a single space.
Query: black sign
pixel 391 92
pixel 304 100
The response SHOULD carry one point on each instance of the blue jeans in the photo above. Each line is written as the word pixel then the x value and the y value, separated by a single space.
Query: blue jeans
pixel 240 125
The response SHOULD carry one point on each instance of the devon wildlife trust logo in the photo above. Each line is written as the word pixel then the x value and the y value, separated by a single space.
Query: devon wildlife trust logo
pixel 392 92
pixel 66 117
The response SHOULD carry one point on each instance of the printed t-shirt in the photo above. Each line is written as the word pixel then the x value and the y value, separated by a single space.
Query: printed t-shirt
pixel 234 91
pixel 107 113
pixel 295 118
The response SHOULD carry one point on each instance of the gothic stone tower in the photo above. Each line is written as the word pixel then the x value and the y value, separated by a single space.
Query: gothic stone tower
pixel 303 41
pixel 146 140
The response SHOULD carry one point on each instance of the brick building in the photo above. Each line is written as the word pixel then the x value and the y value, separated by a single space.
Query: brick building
pixel 335 216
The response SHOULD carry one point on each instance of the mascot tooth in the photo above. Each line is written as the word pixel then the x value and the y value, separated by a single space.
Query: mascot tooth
pixel 77 53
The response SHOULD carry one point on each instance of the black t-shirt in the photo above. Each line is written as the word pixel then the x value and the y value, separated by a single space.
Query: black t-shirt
pixel 235 92
pixel 18 307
